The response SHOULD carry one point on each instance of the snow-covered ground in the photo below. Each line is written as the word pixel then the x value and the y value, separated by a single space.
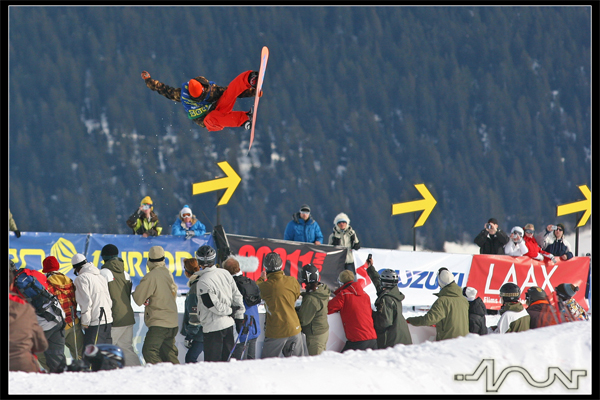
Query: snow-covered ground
pixel 442 367
pixel 552 360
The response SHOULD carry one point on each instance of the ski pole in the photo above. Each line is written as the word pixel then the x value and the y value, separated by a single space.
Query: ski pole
pixel 247 329
pixel 234 345
pixel 73 315
pixel 99 321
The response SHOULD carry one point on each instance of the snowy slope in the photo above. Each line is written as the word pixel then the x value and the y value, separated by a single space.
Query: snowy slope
pixel 427 368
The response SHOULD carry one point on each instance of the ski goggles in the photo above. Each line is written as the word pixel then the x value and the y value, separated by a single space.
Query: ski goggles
pixel 531 231
pixel 186 215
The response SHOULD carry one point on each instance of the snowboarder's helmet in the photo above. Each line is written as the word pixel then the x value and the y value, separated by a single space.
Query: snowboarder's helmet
pixel 310 273
pixel 206 256
pixel 566 290
pixel 195 88
pixel 272 262
pixel 104 356
pixel 534 294
pixel 389 278
pixel 510 292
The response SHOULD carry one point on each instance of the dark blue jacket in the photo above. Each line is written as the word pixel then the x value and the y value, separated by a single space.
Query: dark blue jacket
pixel 298 230
pixel 190 327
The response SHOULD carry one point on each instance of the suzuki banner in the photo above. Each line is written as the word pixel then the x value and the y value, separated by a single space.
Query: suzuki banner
pixel 417 272
pixel 488 273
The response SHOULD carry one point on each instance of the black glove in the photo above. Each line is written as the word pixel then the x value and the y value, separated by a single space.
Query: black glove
pixel 238 325
pixel 18 233
pixel 335 241
pixel 356 246
pixel 188 343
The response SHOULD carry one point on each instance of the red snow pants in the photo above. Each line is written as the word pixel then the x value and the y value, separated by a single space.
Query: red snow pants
pixel 222 115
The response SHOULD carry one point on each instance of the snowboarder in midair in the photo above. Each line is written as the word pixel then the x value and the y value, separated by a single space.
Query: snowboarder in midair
pixel 210 105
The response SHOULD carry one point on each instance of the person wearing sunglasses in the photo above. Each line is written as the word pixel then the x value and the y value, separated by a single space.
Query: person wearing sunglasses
pixel 535 251
pixel 555 242
pixel 516 246
pixel 187 225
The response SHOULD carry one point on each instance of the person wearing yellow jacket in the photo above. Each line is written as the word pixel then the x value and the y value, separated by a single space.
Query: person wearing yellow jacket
pixel 144 220
pixel 157 292
pixel 283 333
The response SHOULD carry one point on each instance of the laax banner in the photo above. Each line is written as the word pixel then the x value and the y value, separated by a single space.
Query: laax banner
pixel 488 273
pixel 328 259
pixel 31 248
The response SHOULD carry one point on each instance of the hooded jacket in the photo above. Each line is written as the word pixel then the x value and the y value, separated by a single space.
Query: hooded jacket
pixel 159 288
pixel 514 318
pixel 64 289
pixel 190 326
pixel 449 313
pixel 26 337
pixel 313 311
pixel 280 293
pixel 219 300
pixel 119 287
pixel 345 238
pixel 477 313
pixel 541 314
pixel 354 306
pixel 299 230
pixel 92 295
pixel 389 323
pixel 180 229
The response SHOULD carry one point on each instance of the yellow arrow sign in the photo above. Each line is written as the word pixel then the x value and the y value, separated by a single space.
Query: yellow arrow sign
pixel 583 205
pixel 426 205
pixel 230 182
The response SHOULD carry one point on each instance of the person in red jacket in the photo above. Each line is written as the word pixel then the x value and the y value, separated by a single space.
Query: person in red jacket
pixel 208 104
pixel 354 306
pixel 534 249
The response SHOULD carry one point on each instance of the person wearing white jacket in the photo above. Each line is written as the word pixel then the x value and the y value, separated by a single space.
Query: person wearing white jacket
pixel 516 246
pixel 220 306
pixel 93 298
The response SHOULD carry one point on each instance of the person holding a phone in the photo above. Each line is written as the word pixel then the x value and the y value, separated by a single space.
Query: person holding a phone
pixel 491 239
pixel 144 221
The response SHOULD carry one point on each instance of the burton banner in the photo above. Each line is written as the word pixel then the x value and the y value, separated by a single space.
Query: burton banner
pixel 31 248
pixel 488 273
pixel 328 259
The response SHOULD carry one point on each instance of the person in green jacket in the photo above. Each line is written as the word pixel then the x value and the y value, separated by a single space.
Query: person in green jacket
pixel 514 317
pixel 449 313
pixel 313 311
pixel 157 291
pixel 119 287
pixel 283 334
pixel 389 323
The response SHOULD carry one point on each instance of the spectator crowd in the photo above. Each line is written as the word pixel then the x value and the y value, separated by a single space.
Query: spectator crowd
pixel 221 317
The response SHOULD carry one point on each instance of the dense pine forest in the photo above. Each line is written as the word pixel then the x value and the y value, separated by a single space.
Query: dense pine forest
pixel 489 107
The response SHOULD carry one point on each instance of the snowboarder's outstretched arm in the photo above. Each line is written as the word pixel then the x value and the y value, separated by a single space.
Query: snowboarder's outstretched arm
pixel 169 92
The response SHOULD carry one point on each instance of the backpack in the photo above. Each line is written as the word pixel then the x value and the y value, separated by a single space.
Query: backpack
pixel 46 305
pixel 249 290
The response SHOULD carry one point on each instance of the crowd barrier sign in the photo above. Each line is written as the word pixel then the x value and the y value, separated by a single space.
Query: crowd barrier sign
pixel 417 270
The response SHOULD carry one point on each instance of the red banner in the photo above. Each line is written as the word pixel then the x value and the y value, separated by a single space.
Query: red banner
pixel 329 260
pixel 488 273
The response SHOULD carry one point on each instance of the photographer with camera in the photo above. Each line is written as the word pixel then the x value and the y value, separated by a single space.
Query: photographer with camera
pixel 144 221
pixel 491 239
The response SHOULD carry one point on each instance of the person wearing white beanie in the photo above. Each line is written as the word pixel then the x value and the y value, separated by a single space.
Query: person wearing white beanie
pixel 477 312
pixel 449 313
pixel 187 224
pixel 343 235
